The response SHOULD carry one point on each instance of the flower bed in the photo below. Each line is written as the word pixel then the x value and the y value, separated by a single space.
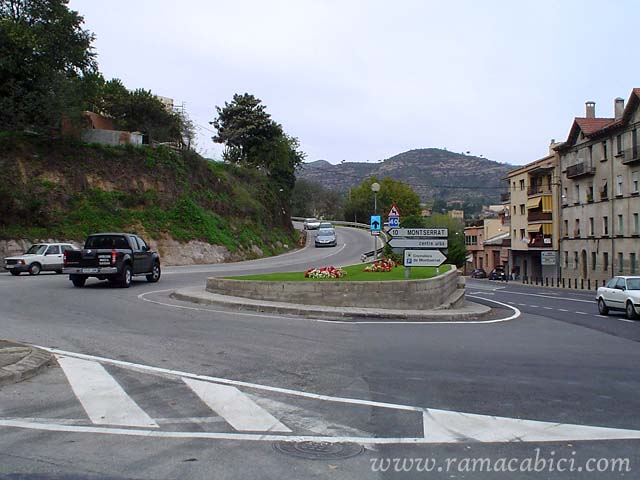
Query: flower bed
pixel 325 272
pixel 384 265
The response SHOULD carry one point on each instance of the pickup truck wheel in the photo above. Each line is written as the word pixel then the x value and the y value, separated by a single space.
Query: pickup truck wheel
pixel 631 311
pixel 155 273
pixel 34 269
pixel 78 280
pixel 125 279
pixel 602 307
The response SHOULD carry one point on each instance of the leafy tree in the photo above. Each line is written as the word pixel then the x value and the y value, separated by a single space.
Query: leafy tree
pixel 457 252
pixel 360 203
pixel 44 55
pixel 310 199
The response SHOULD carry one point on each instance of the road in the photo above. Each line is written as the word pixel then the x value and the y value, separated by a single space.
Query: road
pixel 149 387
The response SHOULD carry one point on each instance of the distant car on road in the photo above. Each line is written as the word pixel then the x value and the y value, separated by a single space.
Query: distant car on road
pixel 325 225
pixel 116 257
pixel 498 273
pixel 478 273
pixel 620 293
pixel 40 257
pixel 326 237
pixel 311 224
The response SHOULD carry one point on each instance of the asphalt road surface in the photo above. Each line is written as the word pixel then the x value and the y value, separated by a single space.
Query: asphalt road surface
pixel 148 387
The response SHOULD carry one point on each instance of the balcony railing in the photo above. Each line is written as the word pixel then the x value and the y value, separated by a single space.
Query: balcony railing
pixel 580 169
pixel 537 216
pixel 630 155
pixel 505 197
pixel 541 242
pixel 538 189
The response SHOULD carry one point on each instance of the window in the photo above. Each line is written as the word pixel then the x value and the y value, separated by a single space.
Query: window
pixel 522 184
pixel 142 244
pixel 604 192
pixel 67 248
pixel 632 263
pixel 565 197
pixel 514 186
pixel 619 146
pixel 53 250
pixel 634 182
pixel 566 259
pixel 566 228
pixel 619 185
pixel 636 224
pixel 522 209
pixel 514 233
pixel 605 226
pixel 577 194
pixel 605 261
pixel 522 234
pixel 612 283
pixel 620 283
pixel 593 260
pixel 591 229
pixel 514 211
pixel 604 150
pixel 575 260
pixel 590 153
pixel 620 262
pixel 590 193
pixel 620 225
pixel 576 230
pixel 634 143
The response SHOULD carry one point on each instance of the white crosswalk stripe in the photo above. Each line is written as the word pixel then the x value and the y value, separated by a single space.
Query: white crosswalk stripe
pixel 104 400
pixel 235 407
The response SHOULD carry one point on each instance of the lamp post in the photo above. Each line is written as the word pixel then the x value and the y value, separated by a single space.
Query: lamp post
pixel 375 188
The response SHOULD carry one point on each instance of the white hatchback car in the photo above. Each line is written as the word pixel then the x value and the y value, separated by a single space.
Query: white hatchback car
pixel 620 293
pixel 39 257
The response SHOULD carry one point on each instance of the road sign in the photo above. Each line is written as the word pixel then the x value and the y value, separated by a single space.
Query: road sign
pixel 547 258
pixel 418 243
pixel 375 233
pixel 393 211
pixel 419 232
pixel 376 223
pixel 394 222
pixel 423 258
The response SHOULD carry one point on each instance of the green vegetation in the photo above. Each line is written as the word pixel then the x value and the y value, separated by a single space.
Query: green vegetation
pixel 360 201
pixel 310 199
pixel 355 273
pixel 64 189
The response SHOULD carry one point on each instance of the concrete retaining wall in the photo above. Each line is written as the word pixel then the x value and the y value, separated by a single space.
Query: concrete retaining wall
pixel 444 291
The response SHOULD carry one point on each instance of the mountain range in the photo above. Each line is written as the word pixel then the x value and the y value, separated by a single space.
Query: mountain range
pixel 431 172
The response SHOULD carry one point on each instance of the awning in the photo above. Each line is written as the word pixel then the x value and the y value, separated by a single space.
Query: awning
pixel 547 204
pixel 533 202
pixel 534 228
pixel 547 228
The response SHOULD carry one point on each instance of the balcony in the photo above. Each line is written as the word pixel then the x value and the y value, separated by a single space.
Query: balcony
pixel 631 155
pixel 580 170
pixel 538 190
pixel 541 242
pixel 537 216
pixel 505 197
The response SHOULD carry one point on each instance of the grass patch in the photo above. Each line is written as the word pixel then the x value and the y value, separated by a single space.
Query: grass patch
pixel 355 273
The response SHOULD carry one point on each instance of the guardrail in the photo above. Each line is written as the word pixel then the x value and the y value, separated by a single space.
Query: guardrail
pixel 365 226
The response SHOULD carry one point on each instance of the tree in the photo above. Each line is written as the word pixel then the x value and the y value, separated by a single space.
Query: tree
pixel 44 54
pixel 310 199
pixel 360 203
pixel 457 251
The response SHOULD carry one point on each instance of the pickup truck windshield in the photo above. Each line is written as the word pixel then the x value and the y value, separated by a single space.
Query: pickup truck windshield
pixel 106 241
pixel 36 250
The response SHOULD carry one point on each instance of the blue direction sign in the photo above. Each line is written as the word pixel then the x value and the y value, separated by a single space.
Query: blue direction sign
pixel 394 222
pixel 376 223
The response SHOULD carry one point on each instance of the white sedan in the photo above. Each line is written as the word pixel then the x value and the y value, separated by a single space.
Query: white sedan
pixel 40 257
pixel 620 293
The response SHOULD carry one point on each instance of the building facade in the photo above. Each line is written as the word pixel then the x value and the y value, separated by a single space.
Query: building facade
pixel 532 200
pixel 600 182
pixel 487 244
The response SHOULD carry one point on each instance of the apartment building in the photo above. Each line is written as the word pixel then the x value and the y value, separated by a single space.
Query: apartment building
pixel 487 243
pixel 532 200
pixel 600 177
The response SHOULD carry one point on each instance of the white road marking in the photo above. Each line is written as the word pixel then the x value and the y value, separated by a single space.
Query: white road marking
pixel 553 297
pixel 602 316
pixel 563 310
pixel 104 400
pixel 534 306
pixel 235 407
pixel 625 320
pixel 547 308
pixel 582 313
pixel 441 426
pixel 516 314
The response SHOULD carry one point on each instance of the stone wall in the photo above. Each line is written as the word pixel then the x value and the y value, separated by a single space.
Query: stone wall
pixel 444 291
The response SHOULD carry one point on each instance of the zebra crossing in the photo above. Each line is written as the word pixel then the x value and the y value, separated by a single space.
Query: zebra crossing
pixel 94 395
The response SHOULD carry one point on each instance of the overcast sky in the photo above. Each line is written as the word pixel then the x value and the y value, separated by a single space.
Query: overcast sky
pixel 365 80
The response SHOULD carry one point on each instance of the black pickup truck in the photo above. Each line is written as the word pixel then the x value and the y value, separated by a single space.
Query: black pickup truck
pixel 116 257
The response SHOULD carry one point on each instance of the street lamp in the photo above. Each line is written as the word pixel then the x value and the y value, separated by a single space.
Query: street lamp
pixel 375 188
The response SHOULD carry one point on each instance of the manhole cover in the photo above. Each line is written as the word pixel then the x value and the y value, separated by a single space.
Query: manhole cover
pixel 319 450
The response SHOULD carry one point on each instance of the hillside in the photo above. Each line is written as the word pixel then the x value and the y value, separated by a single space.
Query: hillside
pixel 431 172
pixel 66 190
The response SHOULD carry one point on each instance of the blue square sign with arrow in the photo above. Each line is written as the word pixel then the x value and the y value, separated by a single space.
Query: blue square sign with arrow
pixel 376 224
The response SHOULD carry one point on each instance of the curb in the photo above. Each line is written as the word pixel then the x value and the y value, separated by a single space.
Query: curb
pixel 29 366
pixel 471 312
